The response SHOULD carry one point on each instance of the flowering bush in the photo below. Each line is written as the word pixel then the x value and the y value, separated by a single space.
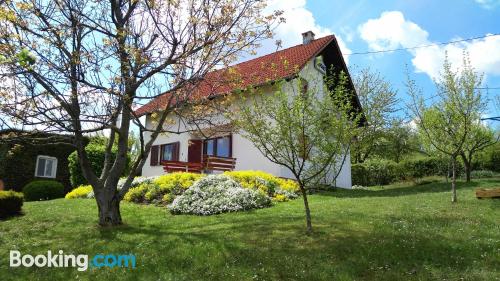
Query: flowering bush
pixel 142 190
pixel 256 180
pixel 136 182
pixel 164 189
pixel 136 194
pixel 85 191
pixel 267 183
pixel 176 183
pixel 82 191
pixel 216 194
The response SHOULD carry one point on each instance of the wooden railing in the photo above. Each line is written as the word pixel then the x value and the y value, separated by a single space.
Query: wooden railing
pixel 213 163
pixel 219 163
pixel 179 166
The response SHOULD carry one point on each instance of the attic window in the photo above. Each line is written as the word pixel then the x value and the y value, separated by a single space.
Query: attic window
pixel 46 167
pixel 319 64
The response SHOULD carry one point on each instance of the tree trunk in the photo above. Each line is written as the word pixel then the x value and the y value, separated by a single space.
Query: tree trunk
pixel 109 209
pixel 454 181
pixel 467 168
pixel 308 211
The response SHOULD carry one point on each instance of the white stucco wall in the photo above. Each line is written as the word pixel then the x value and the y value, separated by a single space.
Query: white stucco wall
pixel 248 157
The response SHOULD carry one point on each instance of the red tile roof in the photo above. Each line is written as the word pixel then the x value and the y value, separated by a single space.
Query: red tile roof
pixel 278 65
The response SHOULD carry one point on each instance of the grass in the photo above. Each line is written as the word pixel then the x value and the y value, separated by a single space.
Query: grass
pixel 399 232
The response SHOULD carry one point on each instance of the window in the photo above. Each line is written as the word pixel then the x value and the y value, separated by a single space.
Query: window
pixel 220 147
pixel 46 166
pixel 170 152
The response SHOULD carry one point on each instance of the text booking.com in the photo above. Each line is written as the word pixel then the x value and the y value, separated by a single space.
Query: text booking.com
pixel 80 262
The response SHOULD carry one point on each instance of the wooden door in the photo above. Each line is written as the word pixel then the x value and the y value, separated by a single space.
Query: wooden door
pixel 195 151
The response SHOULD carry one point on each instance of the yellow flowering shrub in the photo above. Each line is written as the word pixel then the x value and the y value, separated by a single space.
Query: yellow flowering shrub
pixel 136 194
pixel 257 180
pixel 79 192
pixel 280 198
pixel 176 183
pixel 168 198
pixel 275 187
pixel 153 193
pixel 288 185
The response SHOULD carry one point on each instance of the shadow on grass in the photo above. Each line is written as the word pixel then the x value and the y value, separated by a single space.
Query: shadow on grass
pixel 270 244
pixel 269 249
pixel 12 216
pixel 400 191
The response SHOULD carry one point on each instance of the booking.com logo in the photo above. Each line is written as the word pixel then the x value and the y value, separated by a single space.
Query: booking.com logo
pixel 81 262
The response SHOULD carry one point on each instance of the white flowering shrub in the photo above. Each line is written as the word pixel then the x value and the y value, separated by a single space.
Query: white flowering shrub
pixel 136 182
pixel 216 194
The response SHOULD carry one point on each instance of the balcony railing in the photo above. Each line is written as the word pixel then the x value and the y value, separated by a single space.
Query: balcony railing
pixel 209 163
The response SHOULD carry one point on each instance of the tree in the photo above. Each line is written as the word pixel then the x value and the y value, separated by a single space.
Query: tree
pixel 401 140
pixel 79 67
pixel 447 123
pixel 378 100
pixel 306 129
pixel 478 139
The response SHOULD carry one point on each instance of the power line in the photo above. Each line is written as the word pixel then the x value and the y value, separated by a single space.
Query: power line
pixel 424 46
pixel 487 88
pixel 496 118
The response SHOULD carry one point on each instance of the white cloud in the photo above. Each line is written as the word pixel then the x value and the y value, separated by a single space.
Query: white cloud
pixel 298 20
pixel 391 30
pixel 488 4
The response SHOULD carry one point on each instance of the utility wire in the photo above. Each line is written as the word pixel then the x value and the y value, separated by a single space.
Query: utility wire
pixel 423 46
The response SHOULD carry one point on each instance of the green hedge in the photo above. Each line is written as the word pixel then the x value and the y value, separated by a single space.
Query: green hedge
pixel 96 154
pixel 382 172
pixel 376 172
pixel 43 190
pixel 11 203
pixel 18 161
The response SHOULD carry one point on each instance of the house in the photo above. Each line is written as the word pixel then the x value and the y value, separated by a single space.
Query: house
pixel 224 149
pixel 26 156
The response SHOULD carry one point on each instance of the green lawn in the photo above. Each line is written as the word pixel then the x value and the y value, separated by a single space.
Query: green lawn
pixel 396 233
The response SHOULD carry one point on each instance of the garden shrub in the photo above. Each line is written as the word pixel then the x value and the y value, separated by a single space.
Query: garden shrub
pixel 494 161
pixel 358 174
pixel 382 172
pixel 176 183
pixel 430 166
pixel 216 194
pixel 376 172
pixel 266 183
pixel 164 189
pixel 482 174
pixel 43 190
pixel 153 194
pixel 136 194
pixel 168 198
pixel 11 203
pixel 280 198
pixel 96 153
pixel 82 191
pixel 136 181
pixel 255 180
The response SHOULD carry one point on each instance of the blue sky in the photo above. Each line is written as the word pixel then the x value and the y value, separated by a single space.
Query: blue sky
pixel 378 25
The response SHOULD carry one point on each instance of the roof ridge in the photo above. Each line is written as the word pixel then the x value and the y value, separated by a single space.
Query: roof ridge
pixel 279 51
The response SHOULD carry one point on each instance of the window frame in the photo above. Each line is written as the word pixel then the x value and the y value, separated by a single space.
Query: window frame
pixel 230 137
pixel 54 166
pixel 175 151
